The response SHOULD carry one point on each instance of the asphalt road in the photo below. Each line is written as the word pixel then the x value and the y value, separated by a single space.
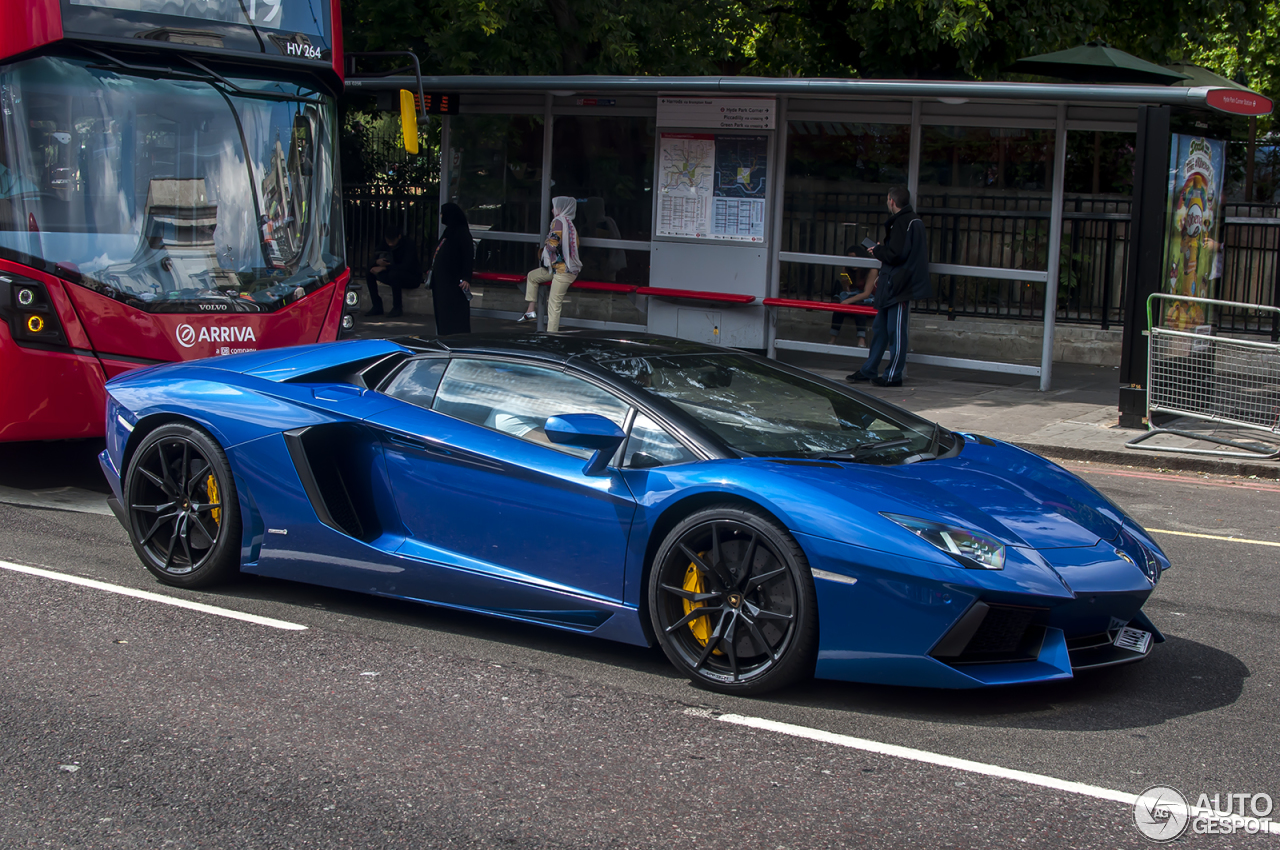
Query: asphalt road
pixel 125 722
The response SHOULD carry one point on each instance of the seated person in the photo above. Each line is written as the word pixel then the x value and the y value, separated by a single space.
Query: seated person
pixel 397 268
pixel 861 286
pixel 523 426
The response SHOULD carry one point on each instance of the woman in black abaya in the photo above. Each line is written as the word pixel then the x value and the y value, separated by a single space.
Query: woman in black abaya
pixel 451 273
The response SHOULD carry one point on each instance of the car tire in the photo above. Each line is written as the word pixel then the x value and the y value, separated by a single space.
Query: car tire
pixel 732 602
pixel 180 500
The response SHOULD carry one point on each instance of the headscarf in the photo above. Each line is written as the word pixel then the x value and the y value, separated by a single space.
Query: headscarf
pixel 563 209
pixel 455 222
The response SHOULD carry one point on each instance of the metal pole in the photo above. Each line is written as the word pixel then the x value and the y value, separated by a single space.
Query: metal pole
pixel 545 211
pixel 773 286
pixel 1055 248
pixel 445 155
pixel 544 215
pixel 913 157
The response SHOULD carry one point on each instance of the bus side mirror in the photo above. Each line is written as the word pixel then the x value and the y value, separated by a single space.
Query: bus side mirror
pixel 409 122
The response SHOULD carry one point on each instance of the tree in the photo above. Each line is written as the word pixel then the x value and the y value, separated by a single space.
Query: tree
pixel 544 36
pixel 968 39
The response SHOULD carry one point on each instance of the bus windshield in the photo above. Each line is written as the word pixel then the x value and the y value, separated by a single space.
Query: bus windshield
pixel 170 195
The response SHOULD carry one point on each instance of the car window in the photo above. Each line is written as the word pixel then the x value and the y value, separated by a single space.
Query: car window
pixel 759 409
pixel 517 399
pixel 649 446
pixel 416 383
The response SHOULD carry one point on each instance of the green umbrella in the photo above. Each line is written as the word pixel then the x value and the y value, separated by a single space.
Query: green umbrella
pixel 1197 76
pixel 1095 62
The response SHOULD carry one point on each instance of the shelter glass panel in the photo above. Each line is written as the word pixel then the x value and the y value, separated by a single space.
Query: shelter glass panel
pixel 607 164
pixel 495 170
pixel 986 195
pixel 838 174
pixel 1096 226
pixel 493 255
pixel 615 265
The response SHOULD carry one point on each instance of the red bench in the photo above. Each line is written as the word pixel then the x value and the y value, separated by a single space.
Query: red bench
pixel 696 295
pixel 829 306
pixel 628 288
pixel 587 285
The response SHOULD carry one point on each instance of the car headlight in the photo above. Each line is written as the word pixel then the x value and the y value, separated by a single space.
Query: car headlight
pixel 972 549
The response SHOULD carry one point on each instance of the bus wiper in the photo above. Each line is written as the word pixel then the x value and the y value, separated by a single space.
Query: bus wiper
pixel 870 447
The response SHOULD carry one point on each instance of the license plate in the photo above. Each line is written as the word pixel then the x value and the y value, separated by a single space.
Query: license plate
pixel 1134 640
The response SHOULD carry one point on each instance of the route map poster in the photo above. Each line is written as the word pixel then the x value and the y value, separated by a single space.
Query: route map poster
pixel 712 186
pixel 1193 216
pixel 686 163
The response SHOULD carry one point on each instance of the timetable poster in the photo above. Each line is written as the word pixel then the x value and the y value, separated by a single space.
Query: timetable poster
pixel 712 186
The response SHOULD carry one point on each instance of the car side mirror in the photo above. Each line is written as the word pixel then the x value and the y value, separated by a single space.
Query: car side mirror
pixel 586 431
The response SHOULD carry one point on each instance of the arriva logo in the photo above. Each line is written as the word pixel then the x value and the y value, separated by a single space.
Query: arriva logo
pixel 187 335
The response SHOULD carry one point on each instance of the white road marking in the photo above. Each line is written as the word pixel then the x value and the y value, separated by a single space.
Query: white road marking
pixel 1213 537
pixel 154 597
pixel 926 757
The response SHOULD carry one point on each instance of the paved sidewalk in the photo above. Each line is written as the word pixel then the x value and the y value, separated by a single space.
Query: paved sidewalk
pixel 1076 420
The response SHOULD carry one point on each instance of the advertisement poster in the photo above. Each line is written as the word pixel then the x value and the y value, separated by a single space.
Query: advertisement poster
pixel 712 186
pixel 1192 250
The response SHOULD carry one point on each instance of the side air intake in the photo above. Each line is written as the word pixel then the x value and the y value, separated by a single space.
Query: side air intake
pixel 335 475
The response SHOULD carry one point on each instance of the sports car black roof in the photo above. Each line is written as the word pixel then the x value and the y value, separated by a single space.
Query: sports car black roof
pixel 593 346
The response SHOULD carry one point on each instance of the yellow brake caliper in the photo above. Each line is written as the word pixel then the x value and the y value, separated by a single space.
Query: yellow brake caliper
pixel 701 626
pixel 211 487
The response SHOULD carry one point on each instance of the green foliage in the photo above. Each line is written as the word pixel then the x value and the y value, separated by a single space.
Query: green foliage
pixel 373 154
pixel 551 37
pixel 1247 51
pixel 944 39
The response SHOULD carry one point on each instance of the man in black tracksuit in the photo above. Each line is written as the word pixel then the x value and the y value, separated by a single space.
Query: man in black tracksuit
pixel 904 276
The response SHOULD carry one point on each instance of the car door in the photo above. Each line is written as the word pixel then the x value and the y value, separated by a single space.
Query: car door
pixel 480 489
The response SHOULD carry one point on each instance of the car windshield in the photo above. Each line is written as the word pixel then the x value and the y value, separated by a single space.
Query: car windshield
pixel 170 195
pixel 759 409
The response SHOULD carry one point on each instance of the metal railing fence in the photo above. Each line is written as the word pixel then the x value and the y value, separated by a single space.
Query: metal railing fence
pixel 1209 378
pixel 367 211
pixel 1003 231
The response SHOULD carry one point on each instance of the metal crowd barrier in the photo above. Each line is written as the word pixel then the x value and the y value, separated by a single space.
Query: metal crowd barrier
pixel 1212 379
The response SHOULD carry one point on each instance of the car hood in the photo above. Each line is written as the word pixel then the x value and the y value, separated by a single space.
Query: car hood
pixel 1017 497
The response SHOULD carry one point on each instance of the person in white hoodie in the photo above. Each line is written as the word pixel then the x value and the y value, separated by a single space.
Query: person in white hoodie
pixel 560 264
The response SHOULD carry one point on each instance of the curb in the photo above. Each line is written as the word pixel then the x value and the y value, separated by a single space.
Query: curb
pixel 1159 460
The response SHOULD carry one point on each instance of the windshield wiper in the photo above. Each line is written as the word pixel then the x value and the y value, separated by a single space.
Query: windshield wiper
pixel 870 447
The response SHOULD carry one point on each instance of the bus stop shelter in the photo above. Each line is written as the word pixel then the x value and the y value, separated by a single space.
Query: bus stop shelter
pixel 724 209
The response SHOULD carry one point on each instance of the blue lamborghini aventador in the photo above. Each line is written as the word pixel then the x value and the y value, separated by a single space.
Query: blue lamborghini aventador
pixel 758 522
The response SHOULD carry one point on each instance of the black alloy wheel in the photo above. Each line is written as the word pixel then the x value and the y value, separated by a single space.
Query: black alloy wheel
pixel 184 519
pixel 732 602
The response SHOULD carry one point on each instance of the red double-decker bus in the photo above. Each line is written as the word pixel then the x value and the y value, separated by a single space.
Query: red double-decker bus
pixel 168 190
